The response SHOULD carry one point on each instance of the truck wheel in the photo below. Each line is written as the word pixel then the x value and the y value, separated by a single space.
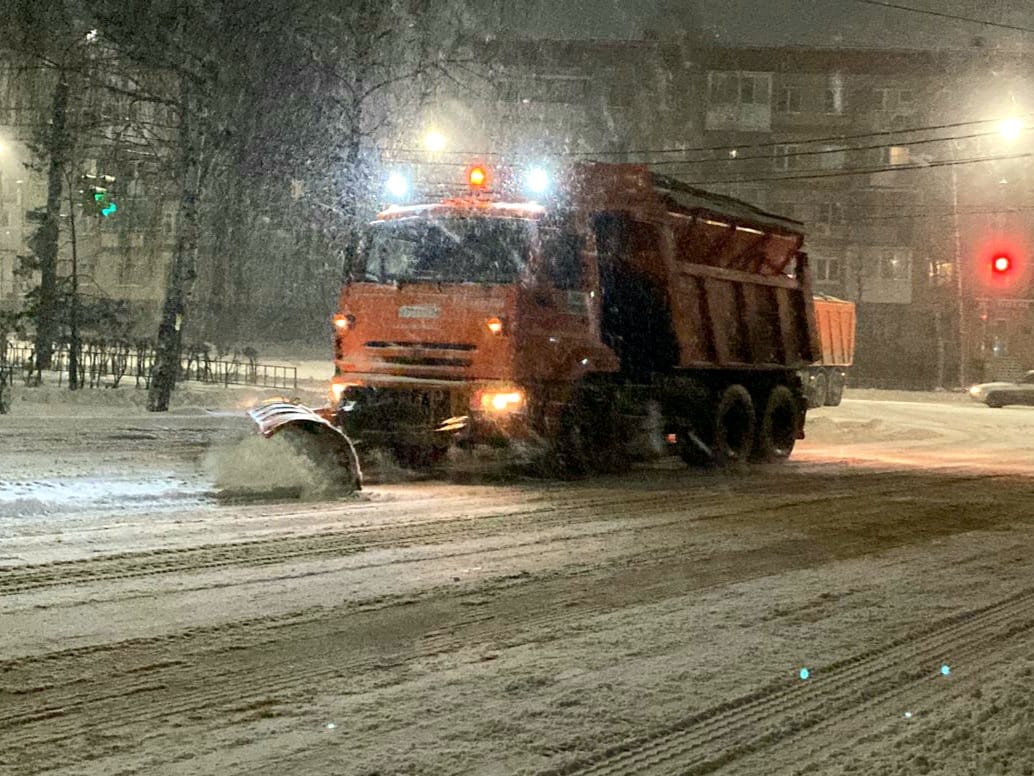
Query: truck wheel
pixel 734 424
pixel 589 438
pixel 777 432
pixel 818 395
pixel 418 457
pixel 835 393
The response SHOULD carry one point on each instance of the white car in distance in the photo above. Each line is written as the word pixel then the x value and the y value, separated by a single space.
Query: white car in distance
pixel 1000 394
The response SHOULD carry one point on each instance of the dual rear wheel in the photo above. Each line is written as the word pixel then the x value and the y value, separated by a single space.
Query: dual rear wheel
pixel 739 434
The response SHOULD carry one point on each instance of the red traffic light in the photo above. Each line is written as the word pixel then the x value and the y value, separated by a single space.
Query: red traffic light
pixel 1001 264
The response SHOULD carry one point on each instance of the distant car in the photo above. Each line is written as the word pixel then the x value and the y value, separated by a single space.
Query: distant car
pixel 1000 394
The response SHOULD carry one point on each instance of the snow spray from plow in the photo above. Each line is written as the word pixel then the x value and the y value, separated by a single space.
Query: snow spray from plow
pixel 312 436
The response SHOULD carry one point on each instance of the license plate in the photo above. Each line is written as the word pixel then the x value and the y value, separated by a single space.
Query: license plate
pixel 420 311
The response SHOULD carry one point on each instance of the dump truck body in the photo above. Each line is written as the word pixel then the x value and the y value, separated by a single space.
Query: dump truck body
pixel 827 377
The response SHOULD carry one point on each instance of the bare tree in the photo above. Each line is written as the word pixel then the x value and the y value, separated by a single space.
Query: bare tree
pixel 45 41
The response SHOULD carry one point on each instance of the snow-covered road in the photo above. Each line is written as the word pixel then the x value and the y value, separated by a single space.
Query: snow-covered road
pixel 156 619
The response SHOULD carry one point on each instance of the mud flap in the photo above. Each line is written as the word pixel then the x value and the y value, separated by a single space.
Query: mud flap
pixel 312 435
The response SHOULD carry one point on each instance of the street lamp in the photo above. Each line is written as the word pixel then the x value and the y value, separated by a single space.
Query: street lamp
pixel 1010 128
pixel 434 141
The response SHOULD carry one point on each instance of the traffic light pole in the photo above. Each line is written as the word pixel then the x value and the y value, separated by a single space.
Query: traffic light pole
pixel 960 286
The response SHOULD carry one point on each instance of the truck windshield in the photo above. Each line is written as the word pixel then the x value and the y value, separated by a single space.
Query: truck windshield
pixel 451 250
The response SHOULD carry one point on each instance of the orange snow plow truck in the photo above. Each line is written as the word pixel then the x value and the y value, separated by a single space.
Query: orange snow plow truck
pixel 826 379
pixel 621 306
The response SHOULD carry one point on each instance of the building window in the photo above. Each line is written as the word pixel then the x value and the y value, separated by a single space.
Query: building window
pixel 892 100
pixel 825 269
pixel 832 158
pixel 125 270
pixel 895 156
pixel 894 264
pixel 5 218
pixel 830 214
pixel 723 88
pixel 739 88
pixel 829 102
pixel 833 96
pixel 941 272
pixel 787 157
pixel 755 89
pixel 789 100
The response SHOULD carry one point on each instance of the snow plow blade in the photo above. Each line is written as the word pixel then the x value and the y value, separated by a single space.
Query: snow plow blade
pixel 330 451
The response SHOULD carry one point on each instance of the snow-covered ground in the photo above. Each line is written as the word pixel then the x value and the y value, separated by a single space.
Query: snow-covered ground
pixel 169 605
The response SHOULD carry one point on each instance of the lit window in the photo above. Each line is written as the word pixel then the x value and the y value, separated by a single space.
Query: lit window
pixel 896 155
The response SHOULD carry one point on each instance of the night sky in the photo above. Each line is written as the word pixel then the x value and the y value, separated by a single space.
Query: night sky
pixel 776 22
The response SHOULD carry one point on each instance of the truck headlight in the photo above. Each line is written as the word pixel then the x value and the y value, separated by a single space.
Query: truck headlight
pixel 499 401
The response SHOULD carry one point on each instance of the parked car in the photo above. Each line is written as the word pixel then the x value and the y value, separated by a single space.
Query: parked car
pixel 1000 394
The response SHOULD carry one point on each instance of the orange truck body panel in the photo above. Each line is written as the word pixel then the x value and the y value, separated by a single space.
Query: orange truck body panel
pixel 835 319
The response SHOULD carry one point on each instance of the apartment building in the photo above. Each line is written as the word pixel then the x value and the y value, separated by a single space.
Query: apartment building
pixel 837 138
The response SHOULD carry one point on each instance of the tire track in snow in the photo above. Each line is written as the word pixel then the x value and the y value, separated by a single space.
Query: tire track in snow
pixel 709 740
pixel 66 720
pixel 330 544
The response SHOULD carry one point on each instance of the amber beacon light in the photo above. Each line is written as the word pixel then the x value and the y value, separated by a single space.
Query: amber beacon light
pixel 477 177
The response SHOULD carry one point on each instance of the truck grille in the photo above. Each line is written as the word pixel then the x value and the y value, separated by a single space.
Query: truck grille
pixel 439 359
pixel 421 345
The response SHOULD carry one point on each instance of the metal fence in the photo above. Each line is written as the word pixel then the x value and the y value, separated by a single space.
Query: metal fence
pixel 107 366
pixel 240 373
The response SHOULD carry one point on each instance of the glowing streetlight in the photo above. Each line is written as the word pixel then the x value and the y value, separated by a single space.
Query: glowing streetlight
pixel 1010 128
pixel 434 141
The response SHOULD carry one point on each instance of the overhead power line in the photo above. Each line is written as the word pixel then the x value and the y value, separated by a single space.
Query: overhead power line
pixel 943 15
pixel 865 170
pixel 468 155
pixel 823 151
pixel 684 163
pixel 918 214
pixel 925 165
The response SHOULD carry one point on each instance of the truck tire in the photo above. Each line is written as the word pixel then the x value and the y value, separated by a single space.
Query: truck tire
pixel 835 392
pixel 777 431
pixel 734 426
pixel 418 457
pixel 818 393
pixel 589 439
